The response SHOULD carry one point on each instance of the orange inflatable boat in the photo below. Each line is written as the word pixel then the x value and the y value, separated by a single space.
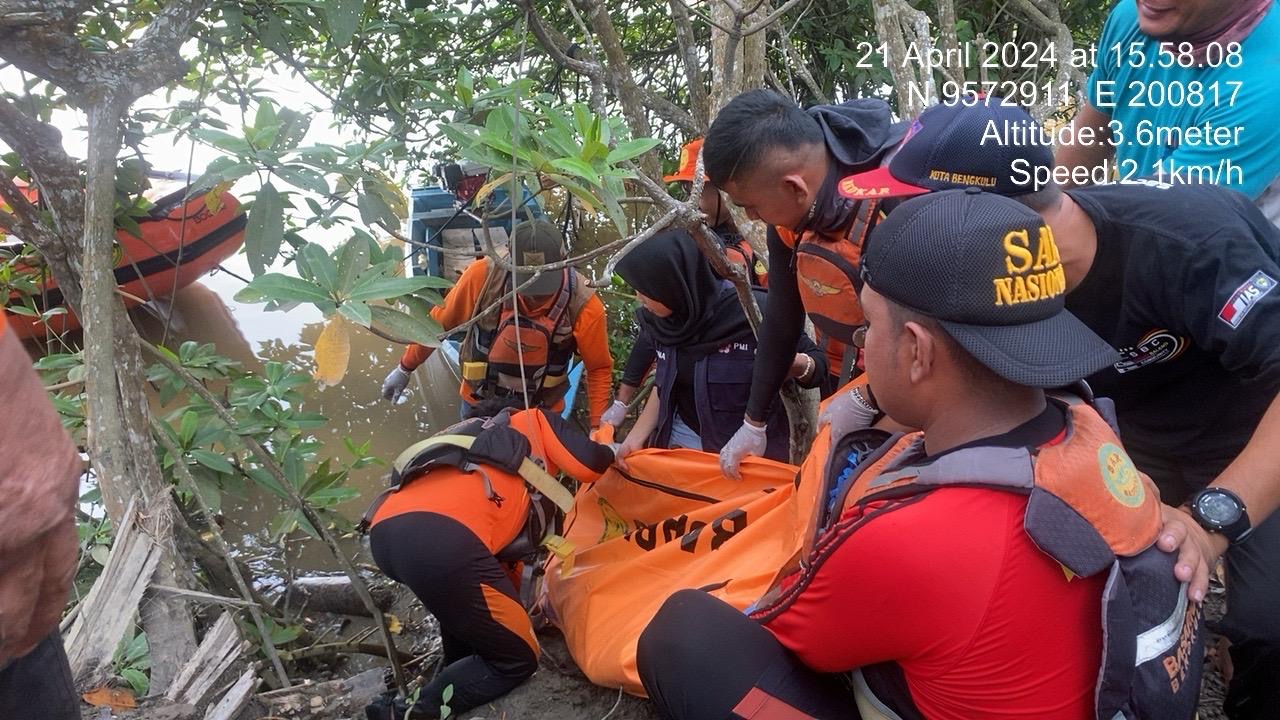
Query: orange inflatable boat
pixel 180 242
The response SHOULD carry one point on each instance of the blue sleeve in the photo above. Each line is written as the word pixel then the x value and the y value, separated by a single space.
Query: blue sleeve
pixel 1250 165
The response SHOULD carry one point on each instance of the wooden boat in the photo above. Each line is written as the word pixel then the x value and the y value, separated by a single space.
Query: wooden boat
pixel 180 241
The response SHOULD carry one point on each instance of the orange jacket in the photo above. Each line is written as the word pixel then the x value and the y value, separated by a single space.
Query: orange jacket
pixel 589 331
pixel 38 488
pixel 463 497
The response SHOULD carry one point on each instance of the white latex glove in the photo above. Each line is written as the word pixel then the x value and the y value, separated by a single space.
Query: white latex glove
pixel 854 409
pixel 397 380
pixel 750 439
pixel 616 413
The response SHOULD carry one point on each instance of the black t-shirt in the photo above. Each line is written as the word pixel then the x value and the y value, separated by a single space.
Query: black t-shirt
pixel 1182 287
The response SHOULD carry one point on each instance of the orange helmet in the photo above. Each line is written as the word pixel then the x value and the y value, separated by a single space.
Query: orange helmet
pixel 688 162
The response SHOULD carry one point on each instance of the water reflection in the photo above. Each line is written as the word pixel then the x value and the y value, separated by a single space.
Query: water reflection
pixel 354 408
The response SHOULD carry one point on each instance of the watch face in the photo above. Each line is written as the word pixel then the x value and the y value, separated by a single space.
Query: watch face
pixel 1218 509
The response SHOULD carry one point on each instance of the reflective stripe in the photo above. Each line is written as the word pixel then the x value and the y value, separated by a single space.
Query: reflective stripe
pixel 760 705
pixel 870 707
pixel 1160 639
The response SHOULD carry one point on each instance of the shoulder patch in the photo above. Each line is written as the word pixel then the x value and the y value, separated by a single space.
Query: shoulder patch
pixel 1245 297
pixel 1120 476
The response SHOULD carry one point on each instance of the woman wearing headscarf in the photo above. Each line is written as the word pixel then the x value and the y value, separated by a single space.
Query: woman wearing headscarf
pixel 705 350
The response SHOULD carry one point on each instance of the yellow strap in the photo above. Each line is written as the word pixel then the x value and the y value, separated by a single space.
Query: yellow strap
pixel 563 549
pixel 536 476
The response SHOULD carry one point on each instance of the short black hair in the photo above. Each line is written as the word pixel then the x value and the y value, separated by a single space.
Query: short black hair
pixel 751 124
pixel 1045 199
pixel 973 370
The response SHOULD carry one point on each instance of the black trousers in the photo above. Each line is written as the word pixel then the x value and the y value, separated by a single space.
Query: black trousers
pixel 38 684
pixel 1252 622
pixel 489 646
pixel 702 659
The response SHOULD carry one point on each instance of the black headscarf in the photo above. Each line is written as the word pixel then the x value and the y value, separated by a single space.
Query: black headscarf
pixel 857 133
pixel 705 311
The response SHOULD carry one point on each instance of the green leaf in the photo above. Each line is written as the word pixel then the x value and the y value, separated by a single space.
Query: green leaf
pixel 264 230
pixel 353 259
pixel 357 312
pixel 381 288
pixel 266 115
pixel 187 430
pixel 136 649
pixel 374 209
pixel 276 286
pixel 137 680
pixel 100 554
pixel 222 140
pixel 322 267
pixel 423 331
pixel 293 128
pixel 344 19
pixel 464 88
pixel 631 149
pixel 213 461
pixel 303 177
pixel 579 168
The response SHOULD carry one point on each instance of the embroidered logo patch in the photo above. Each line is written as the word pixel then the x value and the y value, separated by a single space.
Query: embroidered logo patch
pixel 1120 475
pixel 1245 297
pixel 1156 346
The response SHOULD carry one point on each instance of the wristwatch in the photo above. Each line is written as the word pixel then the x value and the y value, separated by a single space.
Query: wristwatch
pixel 1221 511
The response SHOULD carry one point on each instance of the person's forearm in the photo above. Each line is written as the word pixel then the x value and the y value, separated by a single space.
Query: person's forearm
pixel 625 393
pixel 646 423
pixel 1088 124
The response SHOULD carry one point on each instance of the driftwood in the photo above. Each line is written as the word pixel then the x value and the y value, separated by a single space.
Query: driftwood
pixel 236 699
pixel 198 679
pixel 335 698
pixel 334 594
pixel 112 603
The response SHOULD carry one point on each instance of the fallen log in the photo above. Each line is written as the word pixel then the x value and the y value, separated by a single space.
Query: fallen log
pixel 236 699
pixel 335 594
pixel 335 698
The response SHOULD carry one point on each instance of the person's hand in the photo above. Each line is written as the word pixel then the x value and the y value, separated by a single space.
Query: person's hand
pixel 853 409
pixel 750 439
pixel 616 413
pixel 629 445
pixel 35 579
pixel 1198 550
pixel 397 380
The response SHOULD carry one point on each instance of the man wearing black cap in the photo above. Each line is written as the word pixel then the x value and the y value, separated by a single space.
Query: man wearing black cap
pixel 781 164
pixel 948 566
pixel 1180 280
pixel 551 316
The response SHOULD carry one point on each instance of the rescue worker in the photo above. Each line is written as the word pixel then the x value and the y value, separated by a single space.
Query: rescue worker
pixel 736 249
pixel 705 350
pixel 452 529
pixel 1180 281
pixel 525 352
pixel 38 544
pixel 998 563
pixel 781 165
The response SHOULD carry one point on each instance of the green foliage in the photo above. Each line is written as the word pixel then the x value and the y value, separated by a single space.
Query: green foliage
pixel 132 661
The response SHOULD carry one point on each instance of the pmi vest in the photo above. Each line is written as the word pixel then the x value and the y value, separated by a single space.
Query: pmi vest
pixel 508 353
pixel 1088 508
pixel 470 446
pixel 827 273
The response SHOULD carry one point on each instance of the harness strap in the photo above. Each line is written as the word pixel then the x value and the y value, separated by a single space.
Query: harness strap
pixel 529 471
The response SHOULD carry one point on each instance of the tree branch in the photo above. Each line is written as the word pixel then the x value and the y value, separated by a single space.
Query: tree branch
pixel 769 19
pixel 699 104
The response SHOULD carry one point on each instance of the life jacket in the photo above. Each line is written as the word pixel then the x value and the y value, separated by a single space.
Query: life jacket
pixel 739 252
pixel 509 353
pixel 470 446
pixel 1088 508
pixel 827 272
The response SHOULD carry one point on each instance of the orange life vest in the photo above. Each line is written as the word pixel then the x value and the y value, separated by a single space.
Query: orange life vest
pixel 527 352
pixel 1089 508
pixel 827 272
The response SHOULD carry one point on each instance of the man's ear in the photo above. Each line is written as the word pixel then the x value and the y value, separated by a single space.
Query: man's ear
pixel 924 349
pixel 796 187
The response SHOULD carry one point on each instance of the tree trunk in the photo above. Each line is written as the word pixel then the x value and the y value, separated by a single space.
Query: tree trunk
pixel 119 429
